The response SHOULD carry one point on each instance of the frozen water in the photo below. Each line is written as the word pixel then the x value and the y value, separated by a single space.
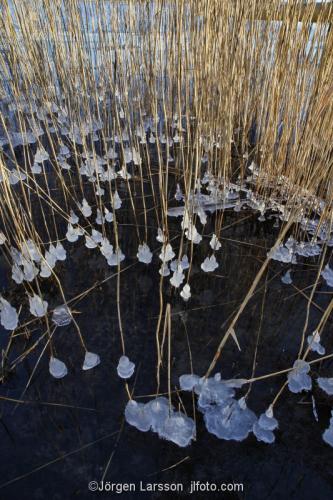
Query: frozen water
pixel 30 251
pixel 60 252
pixel 264 435
pixel 45 270
pixel 183 262
pixel 2 238
pixel 158 409
pixel 178 277
pixel 164 269
pixel 267 421
pixel 17 274
pixel 90 360
pixel 178 428
pixel 214 243
pixel 144 254
pixel 166 253
pixel 73 219
pixel 212 391
pixel 108 215
pixel 286 278
pixel 116 258
pixel 209 264
pixel 230 420
pixel 138 415
pixel 85 208
pixel 41 155
pixel 71 235
pixel 160 236
pixel 106 248
pixel 298 378
pixel 186 292
pixel 125 367
pixel 116 201
pixel 36 168
pixel 62 316
pixel 179 195
pixel 57 368
pixel 90 243
pixel 16 176
pixel 314 343
pixel 188 382
pixel 123 172
pixel 192 234
pixel 8 315
pixel 327 274
pixel 50 258
pixel 30 270
pixel 328 434
pixel 282 254
pixel 38 307
pixel 326 384
pixel 96 236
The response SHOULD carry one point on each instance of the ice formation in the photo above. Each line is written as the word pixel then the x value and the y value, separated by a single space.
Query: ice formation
pixel 159 416
pixel 85 208
pixel 327 274
pixel 183 262
pixel 167 253
pixel 214 243
pixel 282 254
pixel 187 382
pixel 328 433
pixel 178 428
pixel 230 419
pixel 264 427
pixel 90 243
pixel 116 201
pixel 164 269
pixel 125 367
pixel 286 278
pixel 192 234
pixel 186 292
pixel 137 415
pixel 144 254
pixel 41 155
pixel 160 236
pixel 298 378
pixel 61 316
pixel 90 360
pixel 326 384
pixel 57 368
pixel 8 315
pixel 116 258
pixel 209 264
pixel 314 343
pixel 178 277
pixel 38 307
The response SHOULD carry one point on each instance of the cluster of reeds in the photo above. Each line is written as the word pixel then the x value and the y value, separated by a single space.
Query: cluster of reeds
pixel 135 97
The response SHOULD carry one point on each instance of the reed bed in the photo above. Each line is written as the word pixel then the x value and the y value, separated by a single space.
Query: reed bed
pixel 138 113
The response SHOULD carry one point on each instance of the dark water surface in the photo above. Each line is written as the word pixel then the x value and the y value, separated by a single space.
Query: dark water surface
pixel 54 451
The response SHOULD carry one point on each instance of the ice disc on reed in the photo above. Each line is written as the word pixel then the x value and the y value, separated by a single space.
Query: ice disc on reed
pixel 57 368
pixel 125 367
pixel 62 316
pixel 38 307
pixel 144 254
pixel 209 264
pixel 8 314
pixel 91 360
pixel 138 415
